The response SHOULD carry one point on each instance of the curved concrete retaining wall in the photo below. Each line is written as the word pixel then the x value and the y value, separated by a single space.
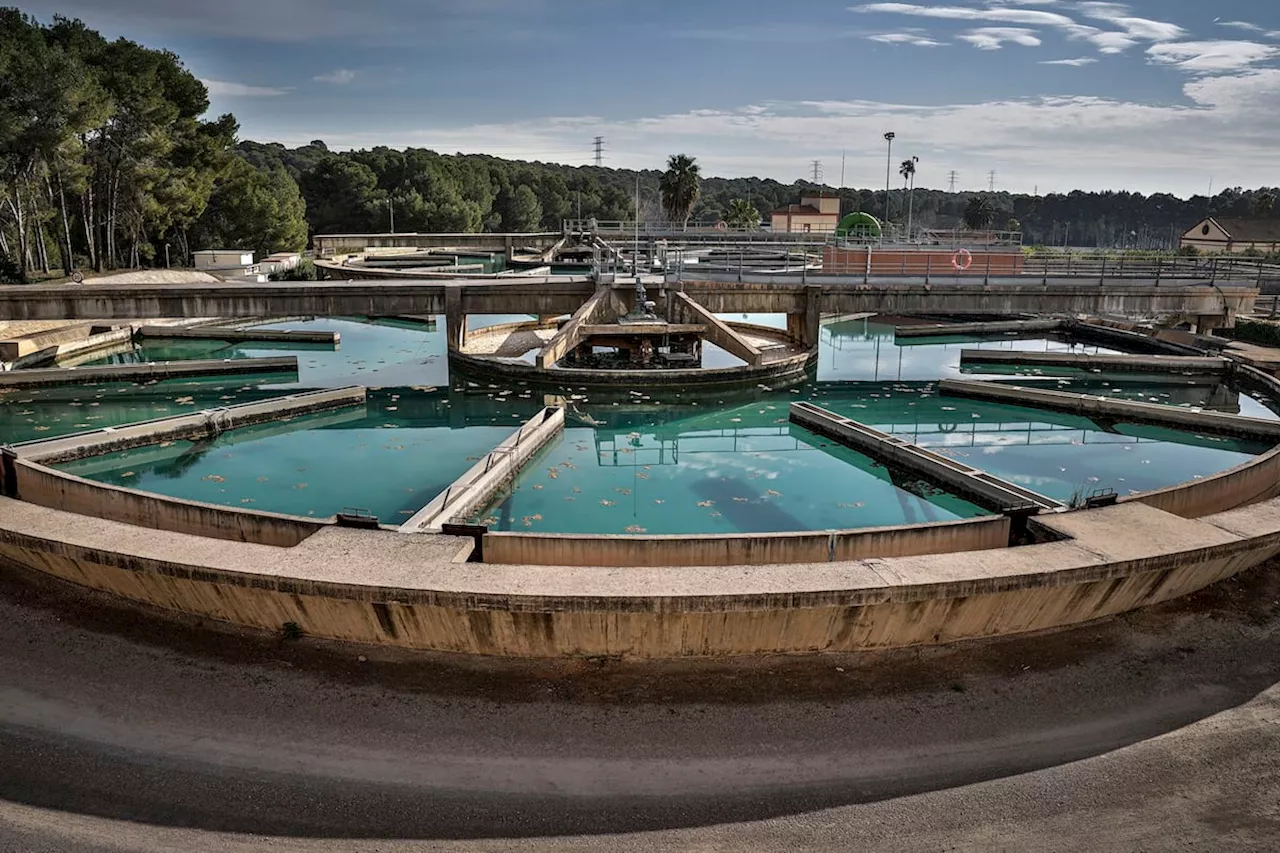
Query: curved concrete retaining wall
pixel 1255 480
pixel 556 549
pixel 412 591
pixel 794 368
pixel 46 487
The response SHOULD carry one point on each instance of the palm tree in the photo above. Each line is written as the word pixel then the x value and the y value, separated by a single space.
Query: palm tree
pixel 742 214
pixel 979 212
pixel 680 186
pixel 908 172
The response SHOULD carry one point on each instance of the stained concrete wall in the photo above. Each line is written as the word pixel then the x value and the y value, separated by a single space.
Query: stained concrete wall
pixel 197 425
pixel 38 377
pixel 718 332
pixel 781 370
pixel 1253 481
pixel 49 488
pixel 556 549
pixel 875 604
pixel 1091 406
pixel 213 333
pixel 765 294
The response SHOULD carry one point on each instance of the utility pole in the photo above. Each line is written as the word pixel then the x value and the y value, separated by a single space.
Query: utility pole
pixel 951 178
pixel 391 207
pixel 816 166
pixel 841 168
pixel 599 146
pixel 991 177
pixel 888 172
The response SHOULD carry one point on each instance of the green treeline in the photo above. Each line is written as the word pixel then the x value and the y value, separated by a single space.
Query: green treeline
pixel 108 160
pixel 355 192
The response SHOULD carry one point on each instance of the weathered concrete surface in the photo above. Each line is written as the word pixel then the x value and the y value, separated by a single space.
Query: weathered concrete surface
pixel 718 332
pixel 597 308
pixel 469 493
pixel 1091 406
pixel 565 295
pixel 205 424
pixel 48 487
pixel 36 377
pixel 748 549
pixel 777 371
pixel 388 588
pixel 26 345
pixel 329 244
pixel 1088 361
pixel 934 330
pixel 214 333
pixel 970 483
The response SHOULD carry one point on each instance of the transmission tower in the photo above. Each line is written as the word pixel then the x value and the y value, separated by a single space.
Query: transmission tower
pixel 816 167
pixel 991 179
pixel 599 146
pixel 951 179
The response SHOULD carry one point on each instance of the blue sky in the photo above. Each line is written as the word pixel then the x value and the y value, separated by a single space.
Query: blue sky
pixel 1150 95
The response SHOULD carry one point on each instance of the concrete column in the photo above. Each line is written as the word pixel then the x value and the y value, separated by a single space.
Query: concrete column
pixel 455 322
pixel 806 325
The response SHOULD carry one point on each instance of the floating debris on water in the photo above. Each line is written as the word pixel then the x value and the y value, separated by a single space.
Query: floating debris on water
pixel 634 528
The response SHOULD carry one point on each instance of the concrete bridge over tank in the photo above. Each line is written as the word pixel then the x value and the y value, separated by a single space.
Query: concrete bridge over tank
pixel 1209 305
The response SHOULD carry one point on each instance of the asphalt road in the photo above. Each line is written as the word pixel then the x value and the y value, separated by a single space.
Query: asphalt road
pixel 123 732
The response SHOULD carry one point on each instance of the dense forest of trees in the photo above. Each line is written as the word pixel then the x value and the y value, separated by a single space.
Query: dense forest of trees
pixel 108 160
pixel 355 192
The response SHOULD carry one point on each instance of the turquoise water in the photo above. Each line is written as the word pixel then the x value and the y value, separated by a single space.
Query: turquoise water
pixel 663 461
pixel 316 465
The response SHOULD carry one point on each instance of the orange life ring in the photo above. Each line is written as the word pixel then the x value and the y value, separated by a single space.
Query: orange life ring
pixel 962 259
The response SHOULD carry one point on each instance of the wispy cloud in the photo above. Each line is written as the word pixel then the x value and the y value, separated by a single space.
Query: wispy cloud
pixel 906 38
pixel 227 89
pixel 1083 60
pixel 1206 57
pixel 1129 30
pixel 338 76
pixel 992 38
pixel 1140 28
pixel 1240 25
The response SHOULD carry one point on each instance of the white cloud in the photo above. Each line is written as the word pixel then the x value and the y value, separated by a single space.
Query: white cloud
pixel 240 90
pixel 1083 60
pixel 1141 28
pixel 1060 143
pixel 1240 25
pixel 992 38
pixel 961 13
pixel 1130 30
pixel 1204 57
pixel 906 38
pixel 338 76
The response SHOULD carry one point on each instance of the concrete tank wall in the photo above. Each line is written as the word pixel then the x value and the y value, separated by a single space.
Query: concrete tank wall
pixel 670 623
pixel 49 488
pixel 554 549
